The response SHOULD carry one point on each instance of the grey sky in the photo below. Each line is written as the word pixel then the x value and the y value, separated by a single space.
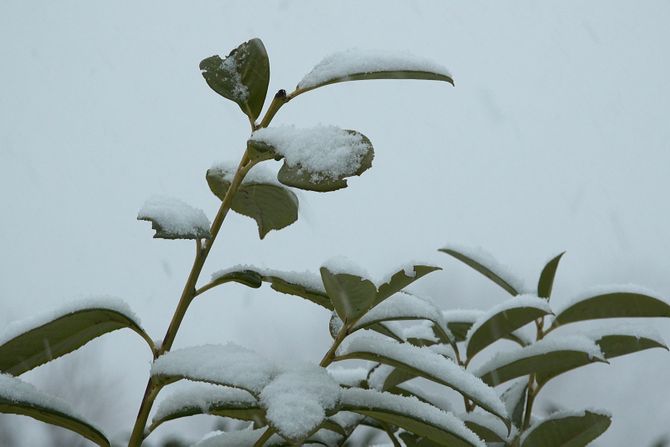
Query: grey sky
pixel 556 137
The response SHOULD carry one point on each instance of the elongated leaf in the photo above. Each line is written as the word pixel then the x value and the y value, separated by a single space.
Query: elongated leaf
pixel 485 433
pixel 412 440
pixel 414 416
pixel 613 305
pixel 247 277
pixel 546 282
pixel 359 65
pixel 567 430
pixel 484 270
pixel 618 345
pixel 283 285
pixel 510 316
pixel 546 359
pixel 174 219
pixel 351 295
pixel 210 399
pixel 459 322
pixel 17 397
pixel 66 332
pixel 514 399
pixel 300 177
pixel 401 279
pixel 243 76
pixel 272 206
pixel 397 377
pixel 421 362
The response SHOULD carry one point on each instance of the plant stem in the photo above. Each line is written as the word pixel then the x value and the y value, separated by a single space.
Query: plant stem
pixel 390 434
pixel 278 101
pixel 202 251
pixel 330 355
pixel 267 434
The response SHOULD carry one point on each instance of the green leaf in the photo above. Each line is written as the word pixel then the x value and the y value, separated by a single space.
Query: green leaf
pixel 567 430
pixel 419 362
pixel 546 282
pixel 556 357
pixel 272 206
pixel 245 277
pixel 351 295
pixel 388 408
pixel 397 377
pixel 299 177
pixel 363 74
pixel 514 399
pixel 616 345
pixel 245 411
pixel 412 440
pixel 62 335
pixel 613 305
pixel 484 270
pixel 174 219
pixel 459 322
pixel 242 77
pixel 485 433
pixel 17 397
pixel 401 279
pixel 285 286
pixel 513 315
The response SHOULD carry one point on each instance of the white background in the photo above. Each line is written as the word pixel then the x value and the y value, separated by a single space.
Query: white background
pixel 555 138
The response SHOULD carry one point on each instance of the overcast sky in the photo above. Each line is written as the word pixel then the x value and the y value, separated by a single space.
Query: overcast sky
pixel 555 137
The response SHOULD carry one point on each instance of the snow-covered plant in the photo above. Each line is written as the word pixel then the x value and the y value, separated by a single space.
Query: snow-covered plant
pixel 397 363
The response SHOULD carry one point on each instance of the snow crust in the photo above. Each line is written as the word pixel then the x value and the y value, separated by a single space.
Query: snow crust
pixel 228 364
pixel 297 400
pixel 633 330
pixel 229 66
pixel 356 61
pixel 578 343
pixel 16 328
pixel 373 399
pixel 258 174
pixel 404 306
pixel 461 315
pixel 484 258
pixel 174 216
pixel 325 152
pixel 15 390
pixel 514 303
pixel 437 399
pixel 348 376
pixel 420 329
pixel 347 419
pixel 426 360
pixel 307 279
pixel 561 415
pixel 341 264
pixel 203 396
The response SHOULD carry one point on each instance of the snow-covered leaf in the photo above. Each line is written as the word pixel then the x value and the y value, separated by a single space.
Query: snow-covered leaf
pixel 228 365
pixel 174 219
pixel 459 322
pixel 297 400
pixel 485 265
pixel 422 362
pixel 410 414
pixel 514 399
pixel 243 76
pixel 484 425
pixel 358 65
pixel 18 397
pixel 404 307
pixel 319 158
pixel 25 345
pixel 567 429
pixel 351 295
pixel 306 285
pixel 546 359
pixel 240 438
pixel 260 197
pixel 612 304
pixel 208 399
pixel 503 319
pixel 401 279
pixel 621 340
pixel 546 282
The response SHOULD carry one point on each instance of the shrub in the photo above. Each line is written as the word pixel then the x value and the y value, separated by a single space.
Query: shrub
pixel 395 338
